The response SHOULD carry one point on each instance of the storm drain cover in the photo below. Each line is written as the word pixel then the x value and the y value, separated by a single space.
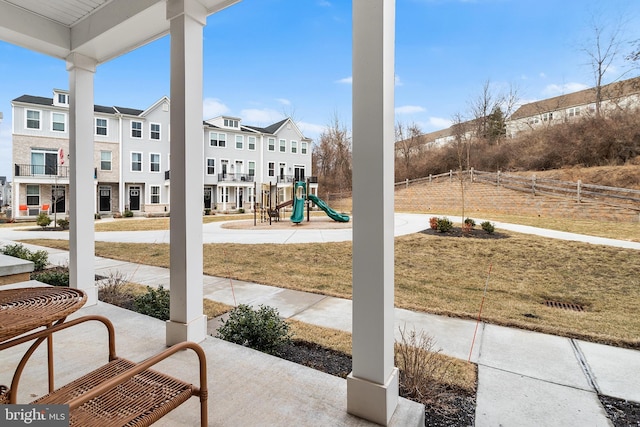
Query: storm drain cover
pixel 564 305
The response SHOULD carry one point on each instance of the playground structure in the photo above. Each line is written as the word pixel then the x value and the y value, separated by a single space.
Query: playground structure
pixel 272 209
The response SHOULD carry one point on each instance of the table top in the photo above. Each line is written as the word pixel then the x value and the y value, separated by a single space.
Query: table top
pixel 25 309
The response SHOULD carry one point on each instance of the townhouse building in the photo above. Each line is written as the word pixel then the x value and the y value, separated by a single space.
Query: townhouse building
pixel 242 164
pixel 618 96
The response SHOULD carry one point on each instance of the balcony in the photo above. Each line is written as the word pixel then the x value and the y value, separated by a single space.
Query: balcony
pixel 49 171
pixel 235 177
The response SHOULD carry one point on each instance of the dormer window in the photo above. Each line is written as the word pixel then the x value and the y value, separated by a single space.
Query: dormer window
pixel 230 123
pixel 60 99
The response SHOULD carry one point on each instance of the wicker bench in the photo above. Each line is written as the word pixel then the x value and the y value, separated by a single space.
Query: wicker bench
pixel 124 393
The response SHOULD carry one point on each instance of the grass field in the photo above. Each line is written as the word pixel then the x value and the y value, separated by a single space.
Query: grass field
pixel 446 275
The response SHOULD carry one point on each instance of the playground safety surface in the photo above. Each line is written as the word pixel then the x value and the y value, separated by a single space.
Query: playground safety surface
pixel 317 222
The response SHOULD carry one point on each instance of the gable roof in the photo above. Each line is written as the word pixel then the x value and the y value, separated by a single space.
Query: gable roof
pixel 611 91
pixel 41 100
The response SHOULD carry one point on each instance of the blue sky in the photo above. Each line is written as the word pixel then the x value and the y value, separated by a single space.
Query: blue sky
pixel 264 59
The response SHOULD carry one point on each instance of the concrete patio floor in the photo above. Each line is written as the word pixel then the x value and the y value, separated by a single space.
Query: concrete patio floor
pixel 246 387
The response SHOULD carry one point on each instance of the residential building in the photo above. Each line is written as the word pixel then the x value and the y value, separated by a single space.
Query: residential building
pixel 132 159
pixel 618 96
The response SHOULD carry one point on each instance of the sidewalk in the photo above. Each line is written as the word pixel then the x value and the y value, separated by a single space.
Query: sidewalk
pixel 524 378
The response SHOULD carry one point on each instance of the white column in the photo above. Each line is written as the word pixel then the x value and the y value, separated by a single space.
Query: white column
pixel 372 386
pixel 81 234
pixel 187 321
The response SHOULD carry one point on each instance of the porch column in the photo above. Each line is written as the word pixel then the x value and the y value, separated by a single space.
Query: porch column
pixel 81 234
pixel 187 321
pixel 372 386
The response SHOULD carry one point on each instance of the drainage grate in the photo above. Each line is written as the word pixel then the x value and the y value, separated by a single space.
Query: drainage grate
pixel 564 305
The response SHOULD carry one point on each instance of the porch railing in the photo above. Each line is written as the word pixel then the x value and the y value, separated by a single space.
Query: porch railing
pixel 235 177
pixel 22 169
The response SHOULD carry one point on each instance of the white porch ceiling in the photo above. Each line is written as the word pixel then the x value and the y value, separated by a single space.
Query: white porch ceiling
pixel 99 29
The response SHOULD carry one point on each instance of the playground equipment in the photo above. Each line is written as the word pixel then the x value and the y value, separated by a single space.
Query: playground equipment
pixel 301 198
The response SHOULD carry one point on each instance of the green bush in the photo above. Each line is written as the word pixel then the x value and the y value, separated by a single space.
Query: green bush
pixel 53 277
pixel 470 221
pixel 43 220
pixel 127 213
pixel 154 303
pixel 444 225
pixel 260 329
pixel 40 259
pixel 63 223
pixel 488 227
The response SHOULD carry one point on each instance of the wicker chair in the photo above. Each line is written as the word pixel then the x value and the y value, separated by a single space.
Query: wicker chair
pixel 123 393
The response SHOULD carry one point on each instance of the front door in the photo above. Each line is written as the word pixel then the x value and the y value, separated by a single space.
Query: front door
pixel 207 197
pixel 134 198
pixel 58 199
pixel 105 199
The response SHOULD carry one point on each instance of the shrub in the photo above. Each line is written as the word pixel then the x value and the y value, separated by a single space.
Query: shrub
pixel 97 216
pixel 53 277
pixel 40 259
pixel 241 210
pixel 112 291
pixel 444 225
pixel 207 211
pixel 154 303
pixel 127 213
pixel 260 329
pixel 488 227
pixel 470 221
pixel 43 220
pixel 422 368
pixel 63 223
pixel 433 222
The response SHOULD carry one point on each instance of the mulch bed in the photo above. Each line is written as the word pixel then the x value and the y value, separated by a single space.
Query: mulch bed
pixel 475 233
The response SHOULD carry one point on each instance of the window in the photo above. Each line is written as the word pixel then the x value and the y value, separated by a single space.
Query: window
pixel 252 168
pixel 136 162
pixel 44 162
pixel 239 142
pixel 58 121
pixel 272 169
pixel 547 116
pixel 63 98
pixel 217 139
pixel 33 119
pixel 211 166
pixel 136 129
pixel 272 144
pixel 154 162
pixel 105 160
pixel 224 165
pixel 303 148
pixel 574 111
pixel 231 123
pixel 154 131
pixel 283 145
pixel 33 195
pixel 155 194
pixel 294 147
pixel 101 127
pixel 251 142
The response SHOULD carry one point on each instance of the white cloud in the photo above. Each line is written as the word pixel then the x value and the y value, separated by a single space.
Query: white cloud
pixel 346 80
pixel 542 75
pixel 397 81
pixel 555 90
pixel 439 123
pixel 213 107
pixel 254 116
pixel 283 101
pixel 410 109
pixel 311 130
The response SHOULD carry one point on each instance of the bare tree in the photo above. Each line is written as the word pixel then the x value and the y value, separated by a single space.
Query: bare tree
pixel 460 132
pixel 490 105
pixel 332 157
pixel 602 50
pixel 408 147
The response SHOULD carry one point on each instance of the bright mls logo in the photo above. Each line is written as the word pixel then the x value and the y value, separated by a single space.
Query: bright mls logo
pixel 34 415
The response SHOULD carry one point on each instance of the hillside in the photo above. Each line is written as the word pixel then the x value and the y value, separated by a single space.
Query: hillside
pixel 627 176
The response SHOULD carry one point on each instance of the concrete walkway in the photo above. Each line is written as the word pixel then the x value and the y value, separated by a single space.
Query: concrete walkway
pixel 525 378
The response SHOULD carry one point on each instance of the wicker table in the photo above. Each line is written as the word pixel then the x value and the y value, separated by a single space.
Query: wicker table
pixel 23 310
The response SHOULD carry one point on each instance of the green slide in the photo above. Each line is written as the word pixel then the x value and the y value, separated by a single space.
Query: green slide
pixel 297 216
pixel 330 212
